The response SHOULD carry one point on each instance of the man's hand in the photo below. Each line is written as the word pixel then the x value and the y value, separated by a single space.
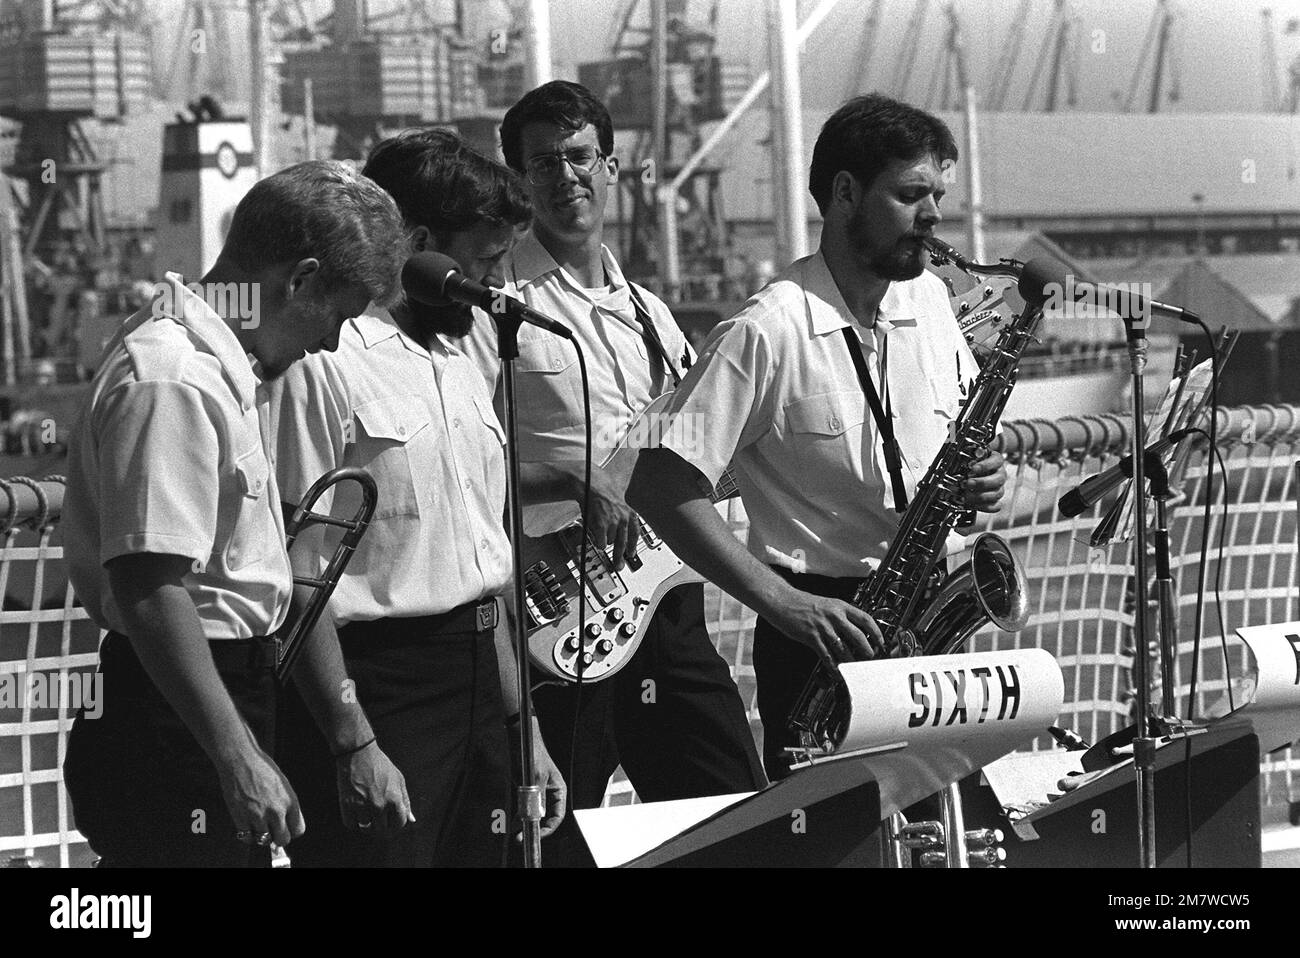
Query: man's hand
pixel 555 792
pixel 372 790
pixel 613 524
pixel 836 630
pixel 985 483
pixel 259 798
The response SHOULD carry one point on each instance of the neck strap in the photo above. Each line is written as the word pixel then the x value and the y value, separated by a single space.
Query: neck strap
pixel 884 419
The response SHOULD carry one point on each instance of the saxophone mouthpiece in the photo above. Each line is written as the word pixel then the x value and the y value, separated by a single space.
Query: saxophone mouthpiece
pixel 941 254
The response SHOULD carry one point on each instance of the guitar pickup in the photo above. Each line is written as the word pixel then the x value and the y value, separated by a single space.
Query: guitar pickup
pixel 543 595
pixel 597 569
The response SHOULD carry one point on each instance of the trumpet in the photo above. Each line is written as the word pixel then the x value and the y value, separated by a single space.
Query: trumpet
pixel 290 645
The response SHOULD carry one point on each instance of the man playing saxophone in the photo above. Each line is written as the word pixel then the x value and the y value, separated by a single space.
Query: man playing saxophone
pixel 831 391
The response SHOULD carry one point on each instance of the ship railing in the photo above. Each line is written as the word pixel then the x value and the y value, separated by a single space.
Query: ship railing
pixel 1081 607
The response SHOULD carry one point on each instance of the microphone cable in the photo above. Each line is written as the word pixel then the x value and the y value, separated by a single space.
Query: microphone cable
pixel 584 544
pixel 1212 455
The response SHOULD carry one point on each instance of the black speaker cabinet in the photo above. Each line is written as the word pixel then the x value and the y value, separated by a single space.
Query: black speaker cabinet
pixel 1096 824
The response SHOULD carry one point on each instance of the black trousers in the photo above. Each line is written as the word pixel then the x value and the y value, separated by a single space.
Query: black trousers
pixel 672 717
pixel 433 699
pixel 782 667
pixel 143 791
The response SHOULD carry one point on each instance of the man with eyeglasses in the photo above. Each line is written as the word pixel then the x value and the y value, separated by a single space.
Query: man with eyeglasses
pixel 673 716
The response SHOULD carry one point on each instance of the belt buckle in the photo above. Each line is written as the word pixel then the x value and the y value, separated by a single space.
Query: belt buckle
pixel 486 616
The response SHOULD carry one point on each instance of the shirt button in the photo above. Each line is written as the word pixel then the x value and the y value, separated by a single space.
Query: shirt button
pixel 456 423
pixel 401 430
pixel 468 484
pixel 557 363
pixel 482 543
pixel 835 423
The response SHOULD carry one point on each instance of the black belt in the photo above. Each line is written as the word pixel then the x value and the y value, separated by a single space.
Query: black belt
pixel 477 616
pixel 229 655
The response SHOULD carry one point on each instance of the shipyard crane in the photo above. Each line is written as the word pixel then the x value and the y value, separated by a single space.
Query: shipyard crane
pixel 62 65
pixel 1277 100
pixel 690 95
pixel 1006 64
pixel 870 30
pixel 379 70
pixel 1060 47
pixel 1160 36
pixel 906 61
pixel 1268 63
pixel 96 62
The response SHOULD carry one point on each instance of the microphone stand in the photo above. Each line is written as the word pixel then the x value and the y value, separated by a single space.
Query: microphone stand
pixel 529 795
pixel 1144 743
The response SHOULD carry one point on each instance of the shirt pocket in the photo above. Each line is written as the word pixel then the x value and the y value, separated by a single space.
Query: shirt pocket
pixel 547 385
pixel 946 399
pixel 253 524
pixel 827 433
pixel 386 447
pixel 493 451
pixel 490 421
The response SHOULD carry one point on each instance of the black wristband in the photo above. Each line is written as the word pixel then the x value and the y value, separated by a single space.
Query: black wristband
pixel 353 751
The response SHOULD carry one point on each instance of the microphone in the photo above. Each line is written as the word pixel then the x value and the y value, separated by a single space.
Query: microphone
pixel 1044 281
pixel 1095 488
pixel 433 279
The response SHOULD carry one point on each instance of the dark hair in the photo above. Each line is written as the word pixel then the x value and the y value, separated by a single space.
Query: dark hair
pixel 442 183
pixel 322 209
pixel 866 134
pixel 568 105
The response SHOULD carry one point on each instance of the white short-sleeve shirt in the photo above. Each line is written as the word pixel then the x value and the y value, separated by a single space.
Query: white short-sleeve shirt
pixel 167 457
pixel 421 422
pixel 775 390
pixel 624 376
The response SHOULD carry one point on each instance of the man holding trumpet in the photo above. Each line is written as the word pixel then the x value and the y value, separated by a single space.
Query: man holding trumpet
pixel 175 540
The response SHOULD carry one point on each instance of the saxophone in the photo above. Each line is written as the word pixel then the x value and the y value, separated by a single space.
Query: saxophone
pixel 921 611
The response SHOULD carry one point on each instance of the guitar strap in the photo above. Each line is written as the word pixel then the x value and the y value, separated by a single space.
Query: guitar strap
pixel 653 343
pixel 884 420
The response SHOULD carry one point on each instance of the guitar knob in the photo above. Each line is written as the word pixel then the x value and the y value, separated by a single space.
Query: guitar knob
pixel 571 643
pixel 593 630
pixel 627 630
pixel 615 614
pixel 605 646
pixel 587 658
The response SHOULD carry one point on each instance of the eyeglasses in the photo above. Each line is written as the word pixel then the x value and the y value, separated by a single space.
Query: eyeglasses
pixel 545 169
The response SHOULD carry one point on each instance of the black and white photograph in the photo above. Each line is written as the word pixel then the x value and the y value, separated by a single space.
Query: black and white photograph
pixel 624 434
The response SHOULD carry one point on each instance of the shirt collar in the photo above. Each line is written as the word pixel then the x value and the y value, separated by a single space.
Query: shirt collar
pixel 212 330
pixel 828 312
pixel 531 261
pixel 377 325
